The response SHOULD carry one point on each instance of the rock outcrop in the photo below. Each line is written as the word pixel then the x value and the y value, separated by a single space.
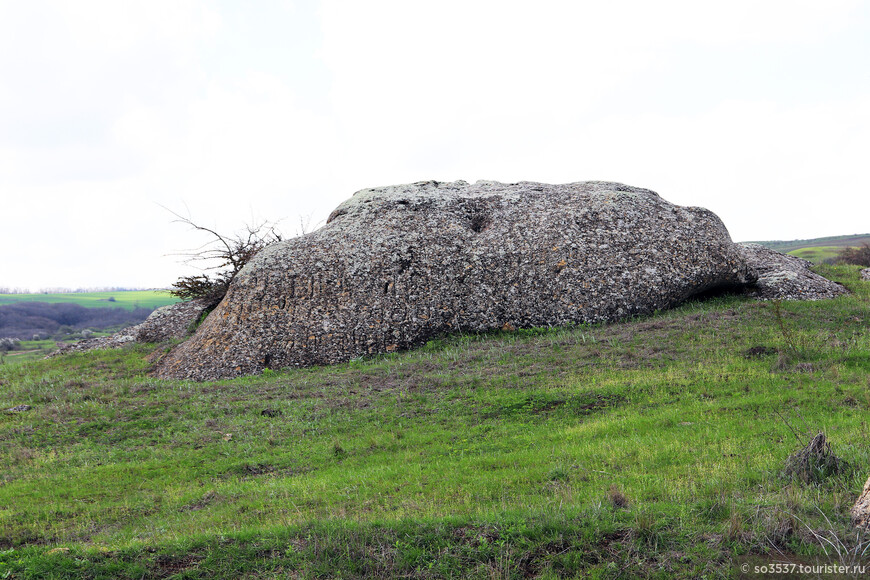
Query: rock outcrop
pixel 165 323
pixel 861 509
pixel 784 277
pixel 397 265
pixel 865 274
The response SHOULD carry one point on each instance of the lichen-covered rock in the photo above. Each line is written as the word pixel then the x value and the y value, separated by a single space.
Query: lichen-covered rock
pixel 861 509
pixel 174 321
pixel 784 277
pixel 865 274
pixel 394 266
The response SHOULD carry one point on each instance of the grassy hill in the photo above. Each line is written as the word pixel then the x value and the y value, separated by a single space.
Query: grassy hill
pixel 129 299
pixel 828 244
pixel 817 254
pixel 61 316
pixel 656 447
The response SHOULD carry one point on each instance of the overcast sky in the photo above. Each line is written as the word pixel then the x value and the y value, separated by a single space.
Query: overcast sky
pixel 237 111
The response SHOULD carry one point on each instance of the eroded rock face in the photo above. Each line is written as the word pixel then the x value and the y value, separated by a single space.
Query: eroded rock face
pixel 861 509
pixel 784 277
pixel 397 265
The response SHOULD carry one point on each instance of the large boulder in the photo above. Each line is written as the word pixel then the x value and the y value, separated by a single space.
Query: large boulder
pixel 397 265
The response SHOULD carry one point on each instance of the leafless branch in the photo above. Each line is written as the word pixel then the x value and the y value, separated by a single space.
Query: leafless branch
pixel 231 252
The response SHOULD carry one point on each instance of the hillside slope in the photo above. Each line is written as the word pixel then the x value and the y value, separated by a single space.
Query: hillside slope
pixel 129 299
pixel 651 448
pixel 789 246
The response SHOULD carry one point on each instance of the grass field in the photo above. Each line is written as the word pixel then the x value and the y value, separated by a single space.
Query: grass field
pixel 819 249
pixel 816 254
pixel 651 448
pixel 30 350
pixel 126 299
pixel 789 246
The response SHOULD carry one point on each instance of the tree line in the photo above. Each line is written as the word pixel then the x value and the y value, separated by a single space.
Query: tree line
pixel 29 320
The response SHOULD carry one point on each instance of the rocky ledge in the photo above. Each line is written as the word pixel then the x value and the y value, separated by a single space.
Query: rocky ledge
pixel 783 277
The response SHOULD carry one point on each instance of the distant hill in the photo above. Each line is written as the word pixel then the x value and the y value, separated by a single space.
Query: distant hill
pixel 129 299
pixel 24 320
pixel 789 246
pixel 61 314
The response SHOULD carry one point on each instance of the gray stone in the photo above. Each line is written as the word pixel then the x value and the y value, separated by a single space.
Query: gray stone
pixel 395 266
pixel 170 322
pixel 861 509
pixel 784 277
pixel 865 274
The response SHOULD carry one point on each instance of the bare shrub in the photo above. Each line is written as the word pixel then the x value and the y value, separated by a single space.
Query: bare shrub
pixel 617 498
pixel 815 462
pixel 7 344
pixel 225 255
pixel 859 256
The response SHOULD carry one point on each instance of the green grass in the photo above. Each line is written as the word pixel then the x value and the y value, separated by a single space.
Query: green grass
pixel 819 249
pixel 817 254
pixel 649 448
pixel 790 246
pixel 129 299
pixel 29 350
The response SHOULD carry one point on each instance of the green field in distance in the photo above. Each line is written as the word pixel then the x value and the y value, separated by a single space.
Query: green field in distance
pixel 128 299
pixel 789 246
pixel 817 250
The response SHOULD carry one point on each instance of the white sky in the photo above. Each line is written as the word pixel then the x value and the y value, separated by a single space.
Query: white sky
pixel 758 110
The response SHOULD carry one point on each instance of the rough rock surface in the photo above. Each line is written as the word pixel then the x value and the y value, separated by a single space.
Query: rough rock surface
pixel 865 274
pixel 394 266
pixel 861 509
pixel 784 277
pixel 165 323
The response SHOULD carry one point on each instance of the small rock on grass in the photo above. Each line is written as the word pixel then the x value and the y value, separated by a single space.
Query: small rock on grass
pixel 861 509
